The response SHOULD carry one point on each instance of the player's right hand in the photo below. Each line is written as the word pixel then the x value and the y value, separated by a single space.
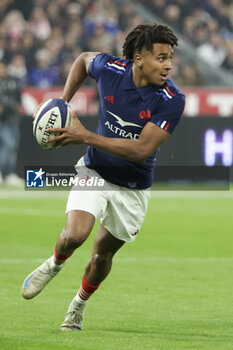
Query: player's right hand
pixel 72 134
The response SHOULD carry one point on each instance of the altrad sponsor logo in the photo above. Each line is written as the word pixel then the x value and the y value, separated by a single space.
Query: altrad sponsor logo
pixel 119 131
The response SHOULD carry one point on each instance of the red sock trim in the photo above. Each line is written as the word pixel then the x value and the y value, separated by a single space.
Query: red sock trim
pixel 59 256
pixel 88 288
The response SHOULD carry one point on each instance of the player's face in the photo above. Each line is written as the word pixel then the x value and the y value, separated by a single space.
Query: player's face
pixel 153 66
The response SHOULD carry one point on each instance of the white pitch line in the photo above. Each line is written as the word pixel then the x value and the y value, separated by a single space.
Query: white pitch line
pixel 21 261
pixel 31 212
pixel 191 194
pixel 176 259
pixel 133 260
pixel 4 194
pixel 32 194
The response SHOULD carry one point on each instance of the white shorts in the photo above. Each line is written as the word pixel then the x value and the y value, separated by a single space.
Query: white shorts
pixel 120 210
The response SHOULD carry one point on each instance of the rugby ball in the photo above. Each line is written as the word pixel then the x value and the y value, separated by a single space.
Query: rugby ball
pixel 54 113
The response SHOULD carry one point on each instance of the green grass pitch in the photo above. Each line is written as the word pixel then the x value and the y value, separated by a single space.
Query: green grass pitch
pixel 172 289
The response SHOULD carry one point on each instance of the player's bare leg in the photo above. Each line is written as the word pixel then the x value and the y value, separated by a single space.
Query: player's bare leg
pixel 97 269
pixel 105 247
pixel 78 227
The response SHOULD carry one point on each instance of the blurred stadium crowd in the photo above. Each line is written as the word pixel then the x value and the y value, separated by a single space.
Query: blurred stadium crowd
pixel 39 39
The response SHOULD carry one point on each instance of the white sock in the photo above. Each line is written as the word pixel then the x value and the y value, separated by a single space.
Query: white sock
pixel 54 266
pixel 79 300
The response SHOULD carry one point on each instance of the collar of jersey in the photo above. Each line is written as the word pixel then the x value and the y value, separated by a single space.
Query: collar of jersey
pixel 145 92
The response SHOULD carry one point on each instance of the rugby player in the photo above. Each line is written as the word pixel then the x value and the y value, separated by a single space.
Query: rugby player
pixel 139 109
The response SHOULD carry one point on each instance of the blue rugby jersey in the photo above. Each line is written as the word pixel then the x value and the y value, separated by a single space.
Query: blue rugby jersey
pixel 124 111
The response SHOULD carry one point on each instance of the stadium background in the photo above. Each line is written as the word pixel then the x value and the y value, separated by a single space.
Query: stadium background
pixel 40 40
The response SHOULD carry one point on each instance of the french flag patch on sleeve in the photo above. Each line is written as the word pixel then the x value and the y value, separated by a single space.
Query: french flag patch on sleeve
pixel 116 66
pixel 163 124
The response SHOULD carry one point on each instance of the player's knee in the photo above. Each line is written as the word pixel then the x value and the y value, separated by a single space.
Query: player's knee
pixel 73 238
pixel 101 260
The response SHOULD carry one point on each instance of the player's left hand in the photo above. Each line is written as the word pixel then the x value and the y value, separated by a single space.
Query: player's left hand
pixel 71 134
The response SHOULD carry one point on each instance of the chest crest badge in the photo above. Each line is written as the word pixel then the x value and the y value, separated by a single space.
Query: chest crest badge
pixel 145 115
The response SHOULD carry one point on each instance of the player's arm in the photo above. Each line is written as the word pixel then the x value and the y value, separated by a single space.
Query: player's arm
pixel 77 75
pixel 151 138
pixel 138 150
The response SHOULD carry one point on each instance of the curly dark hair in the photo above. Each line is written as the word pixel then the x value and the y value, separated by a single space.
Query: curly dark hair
pixel 145 35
